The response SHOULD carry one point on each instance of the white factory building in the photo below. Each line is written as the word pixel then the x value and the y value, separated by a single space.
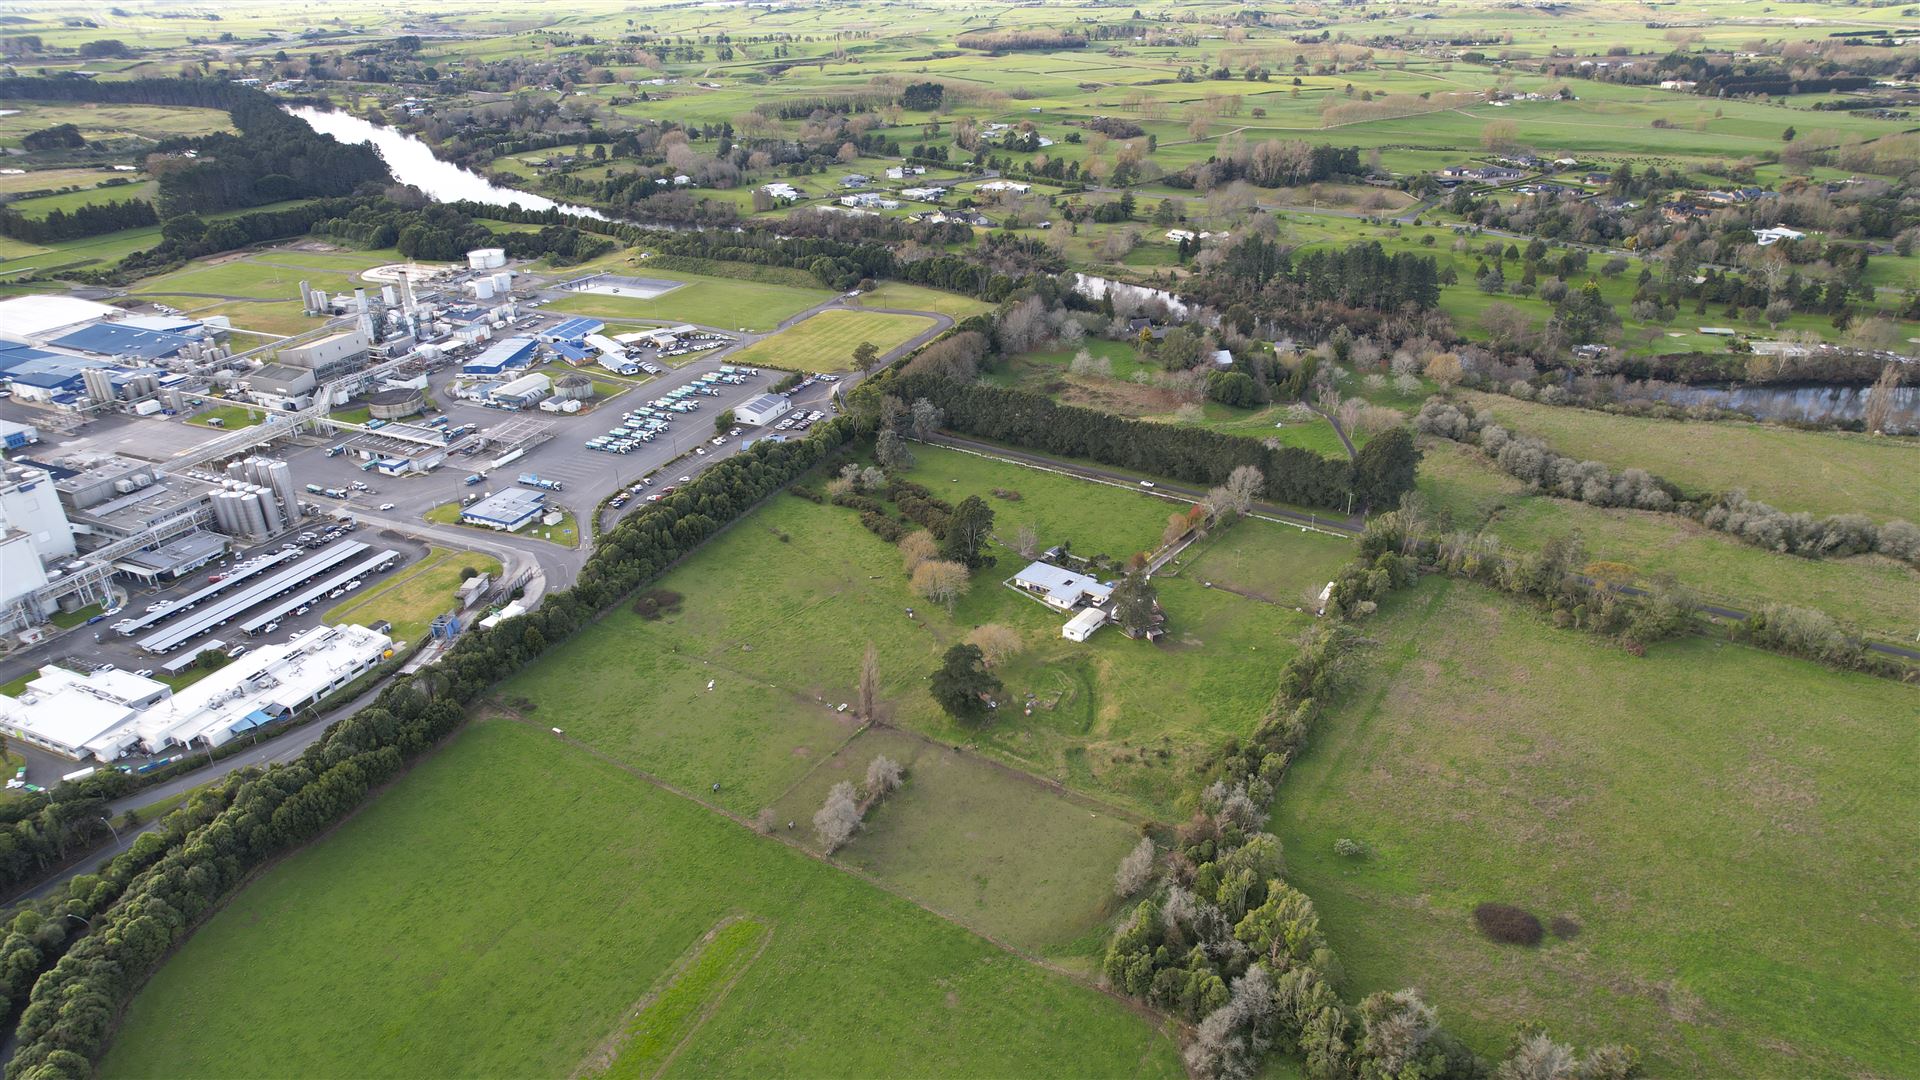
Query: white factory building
pixel 109 713
pixel 764 409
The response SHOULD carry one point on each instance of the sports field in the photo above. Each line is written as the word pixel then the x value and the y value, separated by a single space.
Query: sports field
pixel 825 341
pixel 728 303
pixel 1721 826
pixel 503 909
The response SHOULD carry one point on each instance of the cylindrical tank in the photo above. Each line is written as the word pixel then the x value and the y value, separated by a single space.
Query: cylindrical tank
pixel 256 517
pixel 270 509
pixel 486 258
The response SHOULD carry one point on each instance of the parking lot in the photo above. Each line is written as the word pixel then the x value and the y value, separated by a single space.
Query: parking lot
pixel 586 476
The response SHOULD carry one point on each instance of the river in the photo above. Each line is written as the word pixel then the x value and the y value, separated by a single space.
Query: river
pixel 1809 404
pixel 412 162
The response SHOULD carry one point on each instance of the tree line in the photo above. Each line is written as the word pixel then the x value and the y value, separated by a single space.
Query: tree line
pixel 1382 473
pixel 91 219
pixel 145 903
pixel 1546 470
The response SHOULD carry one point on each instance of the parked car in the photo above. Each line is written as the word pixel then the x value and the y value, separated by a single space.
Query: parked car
pixel 386 506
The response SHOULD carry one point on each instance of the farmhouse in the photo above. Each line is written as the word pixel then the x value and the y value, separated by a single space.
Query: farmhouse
pixel 1059 588
pixel 1005 185
pixel 1770 237
pixel 781 191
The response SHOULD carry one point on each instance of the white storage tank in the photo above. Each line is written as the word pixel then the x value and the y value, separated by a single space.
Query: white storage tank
pixel 486 258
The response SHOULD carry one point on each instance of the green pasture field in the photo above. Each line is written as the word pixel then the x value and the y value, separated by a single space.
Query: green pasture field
pixel 710 301
pixel 1278 563
pixel 275 318
pixel 1871 592
pixel 1719 824
pixel 825 341
pixel 73 200
pixel 93 251
pixel 557 890
pixel 944 840
pixel 413 599
pixel 96 122
pixel 1815 471
pixel 1120 720
pixel 43 179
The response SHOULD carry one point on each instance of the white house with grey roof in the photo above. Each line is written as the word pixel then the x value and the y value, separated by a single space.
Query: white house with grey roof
pixel 1059 588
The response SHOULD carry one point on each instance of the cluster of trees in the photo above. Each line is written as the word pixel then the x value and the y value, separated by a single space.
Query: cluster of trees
pixel 274 157
pixel 57 137
pixel 841 252
pixel 846 807
pixel 1274 163
pixel 1379 477
pixel 89 220
pixel 146 902
pixel 1319 291
pixel 1040 39
pixel 1756 523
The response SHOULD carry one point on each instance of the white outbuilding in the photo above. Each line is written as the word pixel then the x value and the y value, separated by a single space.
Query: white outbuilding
pixel 1082 626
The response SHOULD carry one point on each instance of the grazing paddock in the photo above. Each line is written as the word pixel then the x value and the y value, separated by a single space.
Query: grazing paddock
pixel 1871 592
pixel 1720 827
pixel 990 846
pixel 510 903
pixel 1819 472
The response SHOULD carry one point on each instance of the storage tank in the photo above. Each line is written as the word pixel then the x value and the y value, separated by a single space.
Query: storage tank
pixel 279 476
pixel 503 281
pixel 486 258
pixel 223 521
pixel 483 288
pixel 270 509
pixel 253 514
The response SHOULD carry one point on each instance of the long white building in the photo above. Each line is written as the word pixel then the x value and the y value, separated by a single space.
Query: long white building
pixel 108 713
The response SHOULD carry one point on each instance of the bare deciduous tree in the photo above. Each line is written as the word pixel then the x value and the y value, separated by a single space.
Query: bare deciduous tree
pixel 941 581
pixel 1879 403
pixel 916 548
pixel 883 777
pixel 838 818
pixel 870 683
pixel 1026 541
pixel 997 643
pixel 1135 869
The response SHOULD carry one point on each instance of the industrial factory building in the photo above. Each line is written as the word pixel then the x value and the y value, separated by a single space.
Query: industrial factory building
pixel 106 714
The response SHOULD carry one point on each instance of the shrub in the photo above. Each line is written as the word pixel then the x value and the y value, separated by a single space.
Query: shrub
pixel 1508 925
pixel 656 603
pixel 1348 848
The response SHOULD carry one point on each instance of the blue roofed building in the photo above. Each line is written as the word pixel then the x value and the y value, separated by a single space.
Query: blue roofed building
pixel 574 329
pixel 573 352
pixel 119 339
pixel 503 355
pixel 510 509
